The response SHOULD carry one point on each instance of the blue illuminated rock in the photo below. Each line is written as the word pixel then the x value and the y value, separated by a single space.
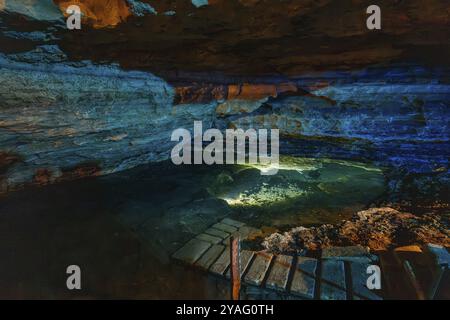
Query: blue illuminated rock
pixel 65 117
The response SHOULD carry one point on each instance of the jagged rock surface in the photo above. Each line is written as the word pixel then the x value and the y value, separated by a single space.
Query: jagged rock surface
pixel 254 62
pixel 66 120
pixel 376 228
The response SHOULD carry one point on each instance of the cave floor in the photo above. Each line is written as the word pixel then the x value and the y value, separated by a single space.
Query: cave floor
pixel 122 229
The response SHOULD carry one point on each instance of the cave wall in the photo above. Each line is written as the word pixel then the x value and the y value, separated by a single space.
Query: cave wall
pixel 394 121
pixel 64 120
pixel 106 98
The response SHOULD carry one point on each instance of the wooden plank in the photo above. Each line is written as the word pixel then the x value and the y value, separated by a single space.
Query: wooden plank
pixel 342 252
pixel 303 281
pixel 245 231
pixel 209 238
pixel 359 282
pixel 436 283
pixel 192 251
pixel 246 258
pixel 222 262
pixel 279 273
pixel 217 233
pixel 420 292
pixel 332 285
pixel 440 261
pixel 395 284
pixel 350 253
pixel 226 241
pixel 415 266
pixel 258 269
pixel 210 256
pixel 441 254
pixel 233 223
pixel 225 228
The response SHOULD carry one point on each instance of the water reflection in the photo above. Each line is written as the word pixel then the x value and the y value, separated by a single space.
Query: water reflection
pixel 122 228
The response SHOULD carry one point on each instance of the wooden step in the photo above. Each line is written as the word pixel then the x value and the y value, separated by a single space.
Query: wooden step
pixel 210 256
pixel 222 263
pixel 440 278
pixel 217 233
pixel 350 253
pixel 192 251
pixel 441 255
pixel 233 223
pixel 278 276
pixel 209 238
pixel 359 277
pixel 395 284
pixel 409 272
pixel 246 257
pixel 303 281
pixel 258 268
pixel 415 265
pixel 225 228
pixel 332 285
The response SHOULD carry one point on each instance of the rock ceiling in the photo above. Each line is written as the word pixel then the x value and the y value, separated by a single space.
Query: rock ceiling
pixel 241 37
pixel 76 103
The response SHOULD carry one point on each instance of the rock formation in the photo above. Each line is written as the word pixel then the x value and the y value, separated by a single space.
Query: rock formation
pixel 107 97
pixel 59 117
pixel 376 228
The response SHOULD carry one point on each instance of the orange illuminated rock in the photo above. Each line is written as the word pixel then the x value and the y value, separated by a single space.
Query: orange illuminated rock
pixel 377 228
pixel 413 248
pixel 200 93
pixel 42 176
pixel 99 13
pixel 7 160
pixel 258 91
pixel 251 91
pixel 82 170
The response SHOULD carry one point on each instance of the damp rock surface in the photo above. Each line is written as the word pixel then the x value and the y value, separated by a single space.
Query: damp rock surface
pixel 376 228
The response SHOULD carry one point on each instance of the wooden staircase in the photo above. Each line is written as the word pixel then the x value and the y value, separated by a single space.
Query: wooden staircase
pixel 338 273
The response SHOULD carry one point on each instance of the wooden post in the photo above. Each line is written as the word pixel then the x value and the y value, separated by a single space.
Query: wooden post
pixel 235 270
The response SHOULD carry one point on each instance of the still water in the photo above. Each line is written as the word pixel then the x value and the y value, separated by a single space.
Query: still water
pixel 121 229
